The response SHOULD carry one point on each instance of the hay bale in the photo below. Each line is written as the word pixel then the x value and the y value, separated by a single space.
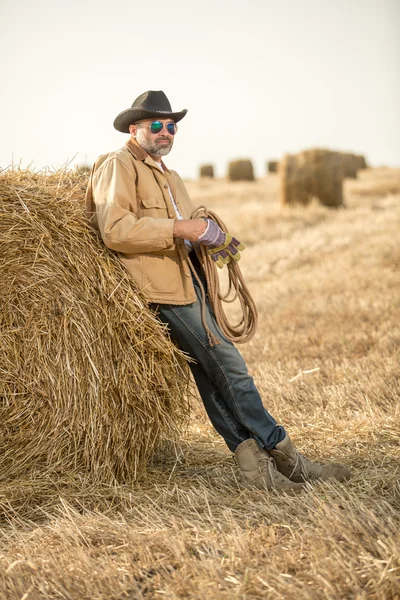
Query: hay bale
pixel 328 178
pixel 89 383
pixel 361 162
pixel 295 179
pixel 349 165
pixel 84 168
pixel 272 166
pixel 241 170
pixel 311 173
pixel 206 171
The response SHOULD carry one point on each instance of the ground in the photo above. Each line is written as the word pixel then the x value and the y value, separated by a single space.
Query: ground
pixel 326 360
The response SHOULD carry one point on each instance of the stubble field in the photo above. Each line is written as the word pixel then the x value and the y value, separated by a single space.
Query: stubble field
pixel 326 361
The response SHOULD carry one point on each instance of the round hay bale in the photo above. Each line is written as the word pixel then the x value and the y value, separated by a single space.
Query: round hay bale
pixel 206 171
pixel 352 163
pixel 89 382
pixel 295 180
pixel 84 168
pixel 361 162
pixel 349 165
pixel 272 166
pixel 311 173
pixel 329 178
pixel 241 170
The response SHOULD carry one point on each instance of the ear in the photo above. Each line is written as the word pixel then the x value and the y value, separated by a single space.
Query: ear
pixel 132 130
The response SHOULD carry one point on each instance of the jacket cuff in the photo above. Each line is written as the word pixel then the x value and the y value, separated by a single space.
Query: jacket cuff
pixel 166 233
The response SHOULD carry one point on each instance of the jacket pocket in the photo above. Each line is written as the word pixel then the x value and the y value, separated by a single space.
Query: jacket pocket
pixel 160 274
pixel 153 206
pixel 153 202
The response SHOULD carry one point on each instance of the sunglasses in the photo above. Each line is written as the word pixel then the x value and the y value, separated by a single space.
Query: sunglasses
pixel 157 126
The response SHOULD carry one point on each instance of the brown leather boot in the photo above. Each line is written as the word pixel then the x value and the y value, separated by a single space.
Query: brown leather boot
pixel 298 468
pixel 259 471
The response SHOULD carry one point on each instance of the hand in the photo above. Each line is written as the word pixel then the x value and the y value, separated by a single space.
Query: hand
pixel 228 251
pixel 190 229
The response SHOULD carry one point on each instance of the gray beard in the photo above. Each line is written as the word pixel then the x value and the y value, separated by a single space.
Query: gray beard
pixel 151 148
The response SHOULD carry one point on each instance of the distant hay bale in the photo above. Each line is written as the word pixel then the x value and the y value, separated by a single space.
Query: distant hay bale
pixel 296 176
pixel 351 163
pixel 272 166
pixel 291 179
pixel 84 168
pixel 329 179
pixel 206 171
pixel 361 162
pixel 311 173
pixel 241 170
pixel 89 383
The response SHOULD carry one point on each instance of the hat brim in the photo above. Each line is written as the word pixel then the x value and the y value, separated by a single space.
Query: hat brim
pixel 132 115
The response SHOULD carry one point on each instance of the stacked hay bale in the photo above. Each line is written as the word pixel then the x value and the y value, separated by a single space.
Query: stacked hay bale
pixel 311 173
pixel 206 171
pixel 241 170
pixel 328 177
pixel 272 166
pixel 89 383
pixel 351 164
pixel 84 168
pixel 361 162
pixel 297 179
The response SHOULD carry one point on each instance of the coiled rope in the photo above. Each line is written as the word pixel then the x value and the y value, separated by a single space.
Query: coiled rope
pixel 245 329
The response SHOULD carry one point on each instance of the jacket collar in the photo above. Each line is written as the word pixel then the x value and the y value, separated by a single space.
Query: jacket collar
pixel 140 154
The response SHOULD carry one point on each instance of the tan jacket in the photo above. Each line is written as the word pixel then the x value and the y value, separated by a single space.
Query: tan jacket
pixel 128 201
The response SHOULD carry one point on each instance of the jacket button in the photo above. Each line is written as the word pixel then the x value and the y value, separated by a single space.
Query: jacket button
pixel 166 186
pixel 187 274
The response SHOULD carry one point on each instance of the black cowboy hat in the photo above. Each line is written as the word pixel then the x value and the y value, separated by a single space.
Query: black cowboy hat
pixel 147 106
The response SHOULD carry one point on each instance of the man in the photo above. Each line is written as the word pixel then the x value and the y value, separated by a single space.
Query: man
pixel 142 211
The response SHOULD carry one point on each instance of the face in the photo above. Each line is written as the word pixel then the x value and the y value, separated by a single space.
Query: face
pixel 156 144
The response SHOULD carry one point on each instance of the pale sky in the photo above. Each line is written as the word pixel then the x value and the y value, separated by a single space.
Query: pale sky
pixel 259 77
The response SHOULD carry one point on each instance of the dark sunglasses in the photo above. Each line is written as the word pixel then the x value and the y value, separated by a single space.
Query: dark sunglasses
pixel 157 126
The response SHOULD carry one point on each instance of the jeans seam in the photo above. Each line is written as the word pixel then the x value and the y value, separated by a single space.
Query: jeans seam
pixel 226 417
pixel 238 408
pixel 245 423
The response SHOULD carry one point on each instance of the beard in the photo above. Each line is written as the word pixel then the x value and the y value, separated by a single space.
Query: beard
pixel 153 147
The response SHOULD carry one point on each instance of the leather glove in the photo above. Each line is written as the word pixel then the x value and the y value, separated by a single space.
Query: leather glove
pixel 221 246
pixel 213 235
pixel 227 251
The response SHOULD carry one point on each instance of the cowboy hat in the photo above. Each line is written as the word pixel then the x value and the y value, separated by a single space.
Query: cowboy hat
pixel 147 106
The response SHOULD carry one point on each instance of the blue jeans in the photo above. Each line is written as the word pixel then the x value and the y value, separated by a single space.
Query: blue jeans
pixel 229 394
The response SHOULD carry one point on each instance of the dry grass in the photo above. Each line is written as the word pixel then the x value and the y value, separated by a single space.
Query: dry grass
pixel 326 359
pixel 376 183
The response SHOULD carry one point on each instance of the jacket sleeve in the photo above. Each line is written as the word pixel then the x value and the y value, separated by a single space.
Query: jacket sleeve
pixel 114 195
